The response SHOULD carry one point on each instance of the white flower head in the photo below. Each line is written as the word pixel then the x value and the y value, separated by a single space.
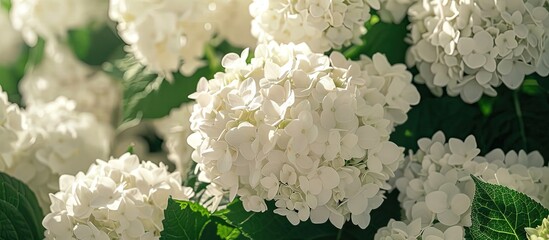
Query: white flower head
pixel 163 33
pixel 61 74
pixel 11 42
pixel 303 129
pixel 175 129
pixel 471 47
pixel 116 199
pixel 322 24
pixel 436 186
pixel 51 19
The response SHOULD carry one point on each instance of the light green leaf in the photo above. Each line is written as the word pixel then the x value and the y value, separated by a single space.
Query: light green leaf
pixel 184 220
pixel 499 212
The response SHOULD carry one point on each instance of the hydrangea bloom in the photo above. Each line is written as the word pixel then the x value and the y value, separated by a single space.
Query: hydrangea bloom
pixel 162 33
pixel 10 125
pixel 11 41
pixel 51 20
pixel 306 130
pixel 394 11
pixel 322 24
pixel 175 129
pixel 471 47
pixel 61 74
pixel 436 184
pixel 539 233
pixel 53 139
pixel 116 199
pixel 397 230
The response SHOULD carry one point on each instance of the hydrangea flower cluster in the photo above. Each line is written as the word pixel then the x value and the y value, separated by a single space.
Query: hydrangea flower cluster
pixel 322 24
pixel 163 33
pixel 175 129
pixel 436 187
pixel 394 11
pixel 306 130
pixel 47 140
pixel 539 233
pixel 51 20
pixel 471 47
pixel 116 199
pixel 61 74
pixel 413 230
pixel 11 42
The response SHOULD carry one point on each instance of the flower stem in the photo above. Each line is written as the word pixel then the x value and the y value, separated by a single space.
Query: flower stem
pixel 518 111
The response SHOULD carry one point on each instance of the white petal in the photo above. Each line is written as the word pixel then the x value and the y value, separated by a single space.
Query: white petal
pixel 437 201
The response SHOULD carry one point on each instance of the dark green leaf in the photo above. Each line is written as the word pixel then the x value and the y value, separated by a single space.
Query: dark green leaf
pixel 18 195
pixel 268 225
pixel 184 220
pixel 94 45
pixel 15 226
pixel 499 212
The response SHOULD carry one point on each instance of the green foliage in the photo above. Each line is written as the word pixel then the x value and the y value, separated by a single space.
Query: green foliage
pixel 499 212
pixel 95 45
pixel 235 223
pixel 20 214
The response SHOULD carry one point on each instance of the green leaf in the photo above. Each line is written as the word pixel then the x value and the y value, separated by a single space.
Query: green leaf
pixel 94 45
pixel 499 212
pixel 12 224
pixel 268 225
pixel 148 96
pixel 19 203
pixel 184 220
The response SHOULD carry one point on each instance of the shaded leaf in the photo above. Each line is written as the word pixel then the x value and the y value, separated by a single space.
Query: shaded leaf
pixel 499 212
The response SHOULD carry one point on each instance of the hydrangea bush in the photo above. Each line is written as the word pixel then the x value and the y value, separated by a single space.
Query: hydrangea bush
pixel 274 119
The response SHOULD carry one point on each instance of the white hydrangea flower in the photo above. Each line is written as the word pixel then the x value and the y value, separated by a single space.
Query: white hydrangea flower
pixel 541 232
pixel 394 11
pixel 303 129
pixel 52 19
pixel 175 129
pixel 233 21
pixel 451 233
pixel 163 33
pixel 322 24
pixel 54 140
pixel 436 186
pixel 11 42
pixel 61 74
pixel 116 199
pixel 471 47
pixel 10 125
pixel 397 230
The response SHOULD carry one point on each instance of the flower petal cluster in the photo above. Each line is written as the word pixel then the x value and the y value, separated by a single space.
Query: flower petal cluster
pixel 61 74
pixel 11 42
pixel 471 47
pixel 394 11
pixel 51 19
pixel 322 24
pixel 116 199
pixel 541 232
pixel 175 129
pixel 398 230
pixel 47 140
pixel 310 132
pixel 436 186
pixel 163 33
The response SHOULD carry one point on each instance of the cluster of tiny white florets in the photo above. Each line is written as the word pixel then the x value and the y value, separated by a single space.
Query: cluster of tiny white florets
pixel 471 47
pixel 394 11
pixel 306 130
pixel 541 232
pixel 61 74
pixel 398 230
pixel 436 186
pixel 47 140
pixel 321 24
pixel 175 129
pixel 118 199
pixel 163 33
pixel 51 19
pixel 11 42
